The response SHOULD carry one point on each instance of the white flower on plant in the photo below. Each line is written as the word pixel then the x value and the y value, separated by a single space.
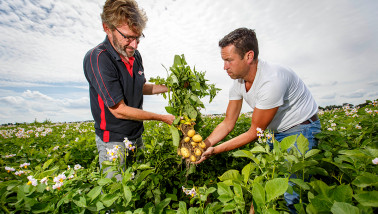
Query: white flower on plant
pixel 71 176
pixel 343 128
pixel 330 129
pixel 112 154
pixel 9 169
pixel 24 165
pixel 192 192
pixel 68 167
pixel 260 132
pixel 9 156
pixel 57 185
pixel 77 139
pixel 19 173
pixel 77 167
pixel 358 127
pixel 128 144
pixel 55 148
pixel 330 121
pixel 63 136
pixel 32 181
pixel 60 178
pixel 44 181
pixel 375 161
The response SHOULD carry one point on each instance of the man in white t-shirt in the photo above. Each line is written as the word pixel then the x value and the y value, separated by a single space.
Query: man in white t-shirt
pixel 280 100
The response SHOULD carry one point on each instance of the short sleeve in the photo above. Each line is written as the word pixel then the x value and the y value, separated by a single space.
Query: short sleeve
pixel 104 78
pixel 234 92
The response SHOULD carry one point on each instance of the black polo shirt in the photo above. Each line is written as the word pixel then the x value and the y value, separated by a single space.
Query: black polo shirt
pixel 109 83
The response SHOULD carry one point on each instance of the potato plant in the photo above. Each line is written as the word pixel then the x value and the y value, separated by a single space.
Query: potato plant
pixel 186 88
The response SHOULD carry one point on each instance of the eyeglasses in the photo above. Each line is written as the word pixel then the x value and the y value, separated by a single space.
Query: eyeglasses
pixel 130 38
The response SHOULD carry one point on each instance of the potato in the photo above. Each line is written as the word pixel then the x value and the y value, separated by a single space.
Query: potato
pixel 197 138
pixel 191 133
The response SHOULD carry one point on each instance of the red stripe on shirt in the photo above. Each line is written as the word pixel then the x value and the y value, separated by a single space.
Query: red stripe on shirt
pixel 99 72
pixel 129 65
pixel 94 71
pixel 103 120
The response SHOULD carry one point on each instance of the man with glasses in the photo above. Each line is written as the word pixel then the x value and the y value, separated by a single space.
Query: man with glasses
pixel 115 74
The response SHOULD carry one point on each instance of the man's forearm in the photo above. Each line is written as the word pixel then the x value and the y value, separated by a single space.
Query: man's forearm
pixel 236 142
pixel 150 89
pixel 220 132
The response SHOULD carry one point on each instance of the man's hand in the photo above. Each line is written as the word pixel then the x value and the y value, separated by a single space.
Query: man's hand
pixel 168 119
pixel 207 154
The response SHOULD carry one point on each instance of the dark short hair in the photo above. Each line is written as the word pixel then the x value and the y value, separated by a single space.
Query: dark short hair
pixel 243 39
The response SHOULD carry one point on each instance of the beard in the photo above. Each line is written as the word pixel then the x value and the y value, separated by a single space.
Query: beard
pixel 123 49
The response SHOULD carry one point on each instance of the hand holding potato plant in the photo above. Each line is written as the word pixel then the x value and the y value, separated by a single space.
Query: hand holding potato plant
pixel 186 87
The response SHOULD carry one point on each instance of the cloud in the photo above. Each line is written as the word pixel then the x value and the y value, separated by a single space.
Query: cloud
pixel 30 105
pixel 357 94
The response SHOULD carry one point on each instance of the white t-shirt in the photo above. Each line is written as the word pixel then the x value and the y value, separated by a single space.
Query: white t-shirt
pixel 274 86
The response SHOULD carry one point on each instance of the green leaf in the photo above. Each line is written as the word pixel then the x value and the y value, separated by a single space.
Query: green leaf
pixel 311 153
pixel 109 199
pixel 143 175
pixel 271 211
pixel 275 188
pixel 231 175
pixel 182 208
pixel 175 136
pixel 47 163
pixel 127 194
pixel 41 208
pixel 345 208
pixel 246 171
pixel 81 202
pixel 302 144
pixel 225 198
pixel 224 189
pixel 258 195
pixel 300 183
pixel 160 207
pixel 368 199
pixel 366 179
pixel 288 142
pixel 342 193
pixel 104 181
pixel 239 199
pixel 243 154
pixel 191 111
pixel 96 191
pixel 258 149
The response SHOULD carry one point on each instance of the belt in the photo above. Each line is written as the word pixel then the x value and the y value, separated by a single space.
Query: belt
pixel 311 119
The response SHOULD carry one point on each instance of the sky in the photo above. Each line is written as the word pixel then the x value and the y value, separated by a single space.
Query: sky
pixel 331 45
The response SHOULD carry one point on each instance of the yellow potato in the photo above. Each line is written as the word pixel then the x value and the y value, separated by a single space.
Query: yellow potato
pixel 197 152
pixel 191 133
pixel 197 138
pixel 187 139
pixel 185 152
pixel 194 144
pixel 193 158
pixel 202 145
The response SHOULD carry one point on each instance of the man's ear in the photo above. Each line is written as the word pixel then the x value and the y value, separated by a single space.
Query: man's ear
pixel 250 56
pixel 106 28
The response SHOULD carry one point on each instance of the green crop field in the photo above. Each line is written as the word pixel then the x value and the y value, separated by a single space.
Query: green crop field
pixel 53 168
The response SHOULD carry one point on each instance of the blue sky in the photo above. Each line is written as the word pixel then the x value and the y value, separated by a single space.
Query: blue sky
pixel 331 45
